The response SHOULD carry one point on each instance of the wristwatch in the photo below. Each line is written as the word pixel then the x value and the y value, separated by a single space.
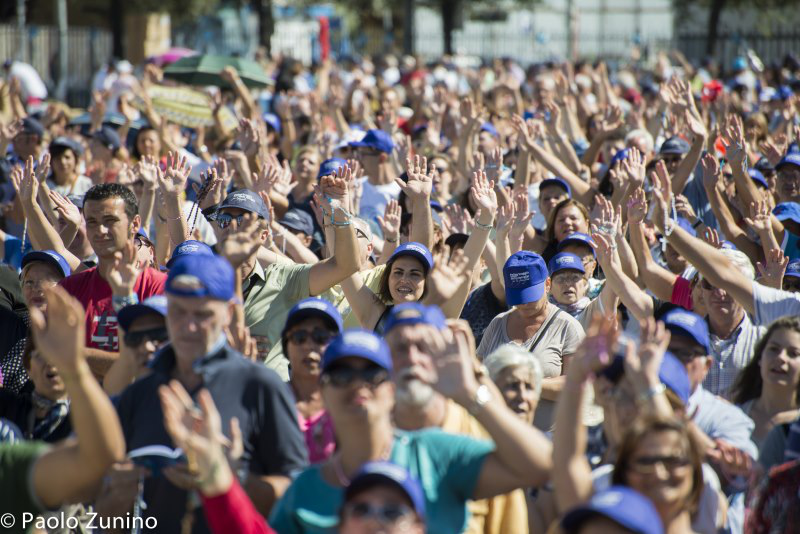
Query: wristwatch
pixel 482 396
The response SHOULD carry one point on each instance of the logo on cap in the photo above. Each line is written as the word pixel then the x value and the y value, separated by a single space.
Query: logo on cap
pixel 240 197
pixel 188 248
pixel 564 259
pixel 684 319
pixel 362 339
pixel 394 472
pixel 313 304
pixel 186 282
pixel 608 499
pixel 520 278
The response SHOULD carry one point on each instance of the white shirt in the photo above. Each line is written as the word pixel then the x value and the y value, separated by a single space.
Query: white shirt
pixel 29 79
pixel 374 199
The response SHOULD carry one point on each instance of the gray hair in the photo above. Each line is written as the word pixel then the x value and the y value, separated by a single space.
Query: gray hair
pixel 641 132
pixel 740 260
pixel 510 355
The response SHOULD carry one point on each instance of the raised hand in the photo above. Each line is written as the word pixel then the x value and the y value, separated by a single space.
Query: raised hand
pixel 760 218
pixel 553 117
pixel 605 248
pixel 611 121
pixel 452 352
pixel 773 268
pixel 403 146
pixel 61 334
pixel 736 149
pixel 237 247
pixel 420 184
pixel 239 335
pixel 390 222
pixel 522 216
pixel 642 364
pixel 595 352
pixel 248 136
pixel 457 220
pixel 147 171
pixel 470 113
pixel 274 177
pixel 9 131
pixel 67 211
pixel 334 192
pixel 711 236
pixel 505 216
pixel 122 273
pixel 685 209
pixel 634 168
pixel 212 191
pixel 43 169
pixel 25 183
pixel 637 207
pixel 695 124
pixel 605 218
pixel 711 172
pixel 484 197
pixel 172 181
pixel 526 134
pixel 447 276
pixel 494 164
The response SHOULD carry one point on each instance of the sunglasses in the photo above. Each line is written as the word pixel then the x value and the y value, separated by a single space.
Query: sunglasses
pixel 360 233
pixel 647 464
pixel 320 336
pixel 705 285
pixel 386 515
pixel 224 219
pixel 157 335
pixel 342 376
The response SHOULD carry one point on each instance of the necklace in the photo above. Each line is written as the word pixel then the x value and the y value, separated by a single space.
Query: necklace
pixel 341 477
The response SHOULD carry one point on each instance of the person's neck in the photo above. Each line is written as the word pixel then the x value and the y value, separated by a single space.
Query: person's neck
pixel 369 443
pixel 385 175
pixel 64 179
pixel 246 269
pixel 777 398
pixel 305 388
pixel 412 417
pixel 303 190
pixel 185 374
pixel 679 524
pixel 724 324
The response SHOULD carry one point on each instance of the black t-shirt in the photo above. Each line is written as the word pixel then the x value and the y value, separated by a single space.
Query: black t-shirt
pixel 481 307
pixel 273 443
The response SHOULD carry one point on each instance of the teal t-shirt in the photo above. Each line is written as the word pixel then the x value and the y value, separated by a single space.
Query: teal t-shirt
pixel 447 466
pixel 791 246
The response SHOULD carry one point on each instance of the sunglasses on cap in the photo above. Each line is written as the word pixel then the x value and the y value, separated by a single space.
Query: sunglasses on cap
pixel 320 336
pixel 387 514
pixel 157 335
pixel 341 376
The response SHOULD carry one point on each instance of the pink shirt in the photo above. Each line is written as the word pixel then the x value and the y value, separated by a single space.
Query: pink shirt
pixel 320 439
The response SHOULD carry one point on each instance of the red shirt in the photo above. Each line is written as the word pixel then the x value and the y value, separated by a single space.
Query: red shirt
pixel 682 293
pixel 233 511
pixel 94 294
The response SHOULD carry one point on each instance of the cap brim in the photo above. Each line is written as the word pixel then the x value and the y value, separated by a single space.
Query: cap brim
pixel 42 256
pixel 365 482
pixel 515 297
pixel 782 164
pixel 129 314
pixel 357 352
pixel 681 331
pixel 302 315
pixel 418 255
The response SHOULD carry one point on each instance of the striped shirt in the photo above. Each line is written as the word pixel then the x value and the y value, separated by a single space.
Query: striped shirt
pixel 730 356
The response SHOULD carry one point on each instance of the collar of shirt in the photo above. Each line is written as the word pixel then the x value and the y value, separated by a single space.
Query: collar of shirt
pixel 718 341
pixel 164 360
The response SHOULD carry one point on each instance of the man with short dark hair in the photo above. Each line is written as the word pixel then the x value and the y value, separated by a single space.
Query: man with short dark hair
pixel 112 222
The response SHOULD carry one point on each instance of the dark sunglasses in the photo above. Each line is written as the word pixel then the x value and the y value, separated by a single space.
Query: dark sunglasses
pixel 224 219
pixel 386 515
pixel 139 242
pixel 342 376
pixel 157 335
pixel 320 336
pixel 647 464
pixel 705 285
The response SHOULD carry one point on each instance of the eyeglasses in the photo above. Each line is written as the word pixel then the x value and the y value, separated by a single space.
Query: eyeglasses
pixel 568 278
pixel 157 335
pixel 360 233
pixel 687 355
pixel 386 515
pixel 441 169
pixel 139 242
pixel 647 464
pixel 320 336
pixel 43 283
pixel 224 219
pixel 342 376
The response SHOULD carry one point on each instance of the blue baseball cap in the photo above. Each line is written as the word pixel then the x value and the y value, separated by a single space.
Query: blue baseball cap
pixel 524 274
pixel 360 344
pixel 619 156
pixel 418 250
pixel 63 141
pixel 272 121
pixel 564 261
pixel 793 269
pixel 299 221
pixel 577 238
pixel 764 165
pixel 330 166
pixel 489 127
pixel 49 256
pixel 142 233
pixel 246 200
pixel 372 474
pixel 313 307
pixel 787 211
pixel 377 139
pixel 620 504
pixel 32 126
pixel 685 323
pixel 190 247
pixel 672 374
pixel 108 137
pixel 411 313
pixel 758 178
pixel 674 145
pixel 557 182
pixel 198 275
pixel 157 304
pixel 791 158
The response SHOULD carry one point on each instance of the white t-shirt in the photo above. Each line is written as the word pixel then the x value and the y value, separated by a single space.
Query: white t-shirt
pixel 374 199
pixel 771 304
pixel 29 79
pixel 81 185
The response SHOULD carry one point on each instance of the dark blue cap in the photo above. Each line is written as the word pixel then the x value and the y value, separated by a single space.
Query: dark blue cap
pixel 411 313
pixel 674 145
pixel 32 126
pixel 564 261
pixel 577 238
pixel 360 344
pixel 792 158
pixel 190 247
pixel 619 156
pixel 198 275
pixel 330 166
pixel 784 92
pixel 557 182
pixel 489 127
pixel 246 200
pixel 621 504
pixel 758 177
pixel 157 304
pixel 272 121
pixel 685 323
pixel 374 473
pixel 764 165
pixel 418 250
pixel 141 232
pixel 313 307
pixel 793 269
pixel 299 221
pixel 50 256
pixel 787 211
pixel 66 142
pixel 377 139
pixel 525 274
pixel 108 137
pixel 672 374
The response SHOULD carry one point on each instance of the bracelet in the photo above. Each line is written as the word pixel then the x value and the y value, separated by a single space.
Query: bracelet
pixel 390 240
pixel 346 213
pixel 697 224
pixel 484 226
pixel 650 393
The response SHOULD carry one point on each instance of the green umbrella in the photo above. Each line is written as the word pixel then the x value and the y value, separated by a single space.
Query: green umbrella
pixel 204 70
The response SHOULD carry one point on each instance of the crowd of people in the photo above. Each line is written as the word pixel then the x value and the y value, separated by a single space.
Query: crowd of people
pixel 400 296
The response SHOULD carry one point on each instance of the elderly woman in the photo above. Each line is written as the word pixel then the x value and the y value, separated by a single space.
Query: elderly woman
pixel 518 376
pixel 548 333
pixel 570 287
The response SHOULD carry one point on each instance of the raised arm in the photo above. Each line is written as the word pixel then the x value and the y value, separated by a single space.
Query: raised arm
pixel 72 470
pixel 418 189
pixel 655 278
pixel 638 303
pixel 172 184
pixel 684 102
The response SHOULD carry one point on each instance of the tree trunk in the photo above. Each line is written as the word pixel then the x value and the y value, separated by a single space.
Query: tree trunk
pixel 266 24
pixel 117 16
pixel 714 13
pixel 449 12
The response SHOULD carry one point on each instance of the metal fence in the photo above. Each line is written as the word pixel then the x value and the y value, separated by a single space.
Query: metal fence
pixel 88 49
pixel 770 47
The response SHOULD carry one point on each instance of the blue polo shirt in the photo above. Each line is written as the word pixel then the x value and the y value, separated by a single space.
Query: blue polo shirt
pixel 264 405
